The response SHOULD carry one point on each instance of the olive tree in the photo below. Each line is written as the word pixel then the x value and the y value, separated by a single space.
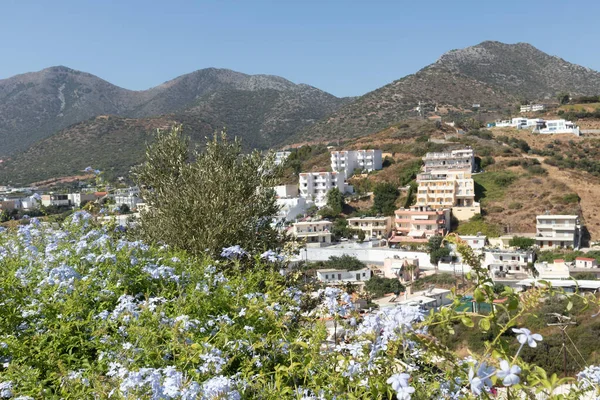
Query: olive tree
pixel 203 201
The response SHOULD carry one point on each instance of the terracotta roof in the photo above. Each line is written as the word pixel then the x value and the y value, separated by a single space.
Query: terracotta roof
pixel 560 260
pixel 585 259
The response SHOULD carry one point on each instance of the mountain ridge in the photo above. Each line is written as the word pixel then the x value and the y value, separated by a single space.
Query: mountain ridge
pixel 35 105
pixel 494 74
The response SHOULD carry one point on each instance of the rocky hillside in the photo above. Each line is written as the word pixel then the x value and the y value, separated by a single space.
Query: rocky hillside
pixel 492 74
pixel 265 109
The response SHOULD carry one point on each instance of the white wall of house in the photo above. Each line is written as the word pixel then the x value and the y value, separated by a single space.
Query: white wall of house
pixel 340 275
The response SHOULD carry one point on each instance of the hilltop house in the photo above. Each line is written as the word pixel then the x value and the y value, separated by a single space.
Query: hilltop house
pixel 558 126
pixel 532 108
pixel 281 156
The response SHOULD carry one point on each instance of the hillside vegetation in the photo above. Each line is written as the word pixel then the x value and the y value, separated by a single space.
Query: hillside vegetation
pixel 495 75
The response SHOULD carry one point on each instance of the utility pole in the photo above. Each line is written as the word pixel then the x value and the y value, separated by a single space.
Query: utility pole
pixel 563 322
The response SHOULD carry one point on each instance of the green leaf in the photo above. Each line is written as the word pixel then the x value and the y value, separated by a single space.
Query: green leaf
pixel 484 324
pixel 467 321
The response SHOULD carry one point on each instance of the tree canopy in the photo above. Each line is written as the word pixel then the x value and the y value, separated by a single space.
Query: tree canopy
pixel 204 201
pixel 385 195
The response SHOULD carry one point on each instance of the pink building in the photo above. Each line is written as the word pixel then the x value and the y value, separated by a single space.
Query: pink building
pixel 418 223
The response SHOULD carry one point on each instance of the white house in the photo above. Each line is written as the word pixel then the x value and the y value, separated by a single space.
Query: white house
pixel 586 262
pixel 346 161
pixel 476 242
pixel 501 263
pixel 556 231
pixel 335 276
pixel 557 126
pixel 316 233
pixel 131 201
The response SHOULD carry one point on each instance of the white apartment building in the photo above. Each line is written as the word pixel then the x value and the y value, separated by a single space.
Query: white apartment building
pixel 374 227
pixel 419 223
pixel 315 185
pixel 79 199
pixel 532 108
pixel 335 276
pixel 456 160
pixel 346 161
pixel 503 263
pixel 556 270
pixel 555 231
pixel 557 126
pixel 316 233
pixel 281 156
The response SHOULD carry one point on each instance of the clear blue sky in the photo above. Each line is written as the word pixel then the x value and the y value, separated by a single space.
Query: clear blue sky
pixel 345 47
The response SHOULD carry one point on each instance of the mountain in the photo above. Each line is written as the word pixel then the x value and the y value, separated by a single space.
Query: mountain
pixel 263 108
pixel 493 74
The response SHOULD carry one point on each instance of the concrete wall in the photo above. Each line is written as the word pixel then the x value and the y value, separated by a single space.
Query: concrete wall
pixel 465 213
pixel 368 255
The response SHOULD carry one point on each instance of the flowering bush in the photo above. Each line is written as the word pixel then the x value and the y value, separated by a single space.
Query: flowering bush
pixel 87 313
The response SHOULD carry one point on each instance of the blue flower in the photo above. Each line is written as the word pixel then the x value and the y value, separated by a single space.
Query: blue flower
pixel 509 374
pixel 271 256
pixel 399 383
pixel 525 336
pixel 233 252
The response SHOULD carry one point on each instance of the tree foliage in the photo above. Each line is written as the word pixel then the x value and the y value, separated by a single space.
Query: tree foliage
pixel 521 242
pixel 435 249
pixel 385 195
pixel 335 200
pixel 378 286
pixel 205 201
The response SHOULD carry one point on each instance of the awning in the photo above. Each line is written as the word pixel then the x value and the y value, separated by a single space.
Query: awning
pixel 416 234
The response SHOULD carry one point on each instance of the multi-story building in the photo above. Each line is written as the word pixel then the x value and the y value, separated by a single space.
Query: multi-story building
pixel 555 231
pixel 79 199
pixel 315 185
pixel 290 208
pixel 502 263
pixel 455 160
pixel 281 156
pixel 419 223
pixel 314 232
pixel 405 269
pixel 347 161
pixel 374 227
pixel 130 201
pixel 444 190
pixel 476 242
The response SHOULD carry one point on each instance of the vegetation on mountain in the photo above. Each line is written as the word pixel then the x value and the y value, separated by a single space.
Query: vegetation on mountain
pixel 187 194
pixel 379 286
pixel 495 75
pixel 384 200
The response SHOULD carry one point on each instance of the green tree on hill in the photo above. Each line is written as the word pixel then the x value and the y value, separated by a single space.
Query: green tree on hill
pixel 335 200
pixel 385 198
pixel 205 201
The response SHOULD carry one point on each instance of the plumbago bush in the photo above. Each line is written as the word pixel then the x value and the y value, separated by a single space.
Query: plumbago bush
pixel 87 313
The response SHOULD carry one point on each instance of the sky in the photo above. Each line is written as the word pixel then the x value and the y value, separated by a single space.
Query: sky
pixel 347 48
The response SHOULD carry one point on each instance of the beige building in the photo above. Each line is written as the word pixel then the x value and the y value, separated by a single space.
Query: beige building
pixel 314 232
pixel 374 227
pixel 405 269
pixel 446 182
pixel 556 231
pixel 419 223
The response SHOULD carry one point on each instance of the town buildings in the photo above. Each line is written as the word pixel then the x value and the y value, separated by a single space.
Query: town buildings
pixel 418 223
pixel 290 204
pixel 558 126
pixel 347 161
pixel 556 231
pixel 374 227
pixel 316 233
pixel 455 160
pixel 405 269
